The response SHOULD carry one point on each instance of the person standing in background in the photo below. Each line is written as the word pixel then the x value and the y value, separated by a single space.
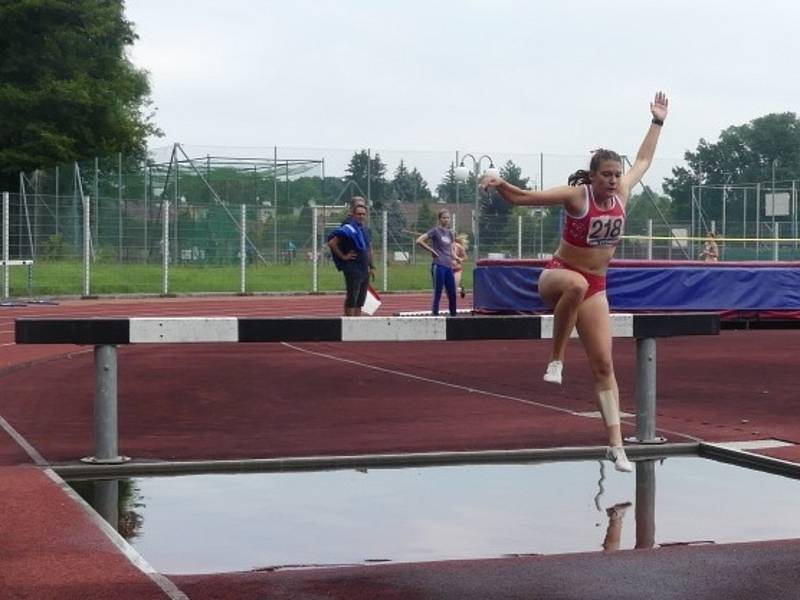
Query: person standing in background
pixel 441 238
pixel 460 247
pixel 710 251
pixel 351 248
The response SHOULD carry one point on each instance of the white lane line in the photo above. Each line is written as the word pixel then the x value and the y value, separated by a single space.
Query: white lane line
pixel 428 379
pixel 201 310
pixel 465 388
pixel 165 584
pixel 32 452
pixel 756 444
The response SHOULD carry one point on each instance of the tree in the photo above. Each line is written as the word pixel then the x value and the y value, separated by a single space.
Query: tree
pixel 67 88
pixel 425 217
pixel 446 190
pixel 369 175
pixel 495 210
pixel 396 224
pixel 409 186
pixel 743 154
pixel 421 189
pixel 402 185
pixel 644 206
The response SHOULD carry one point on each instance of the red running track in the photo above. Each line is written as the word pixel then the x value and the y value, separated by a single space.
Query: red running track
pixel 267 400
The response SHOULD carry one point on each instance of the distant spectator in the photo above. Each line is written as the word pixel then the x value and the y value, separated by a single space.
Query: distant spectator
pixel 291 251
pixel 710 251
pixel 460 247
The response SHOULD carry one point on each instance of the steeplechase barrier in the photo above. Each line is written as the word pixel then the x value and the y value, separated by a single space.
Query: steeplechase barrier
pixel 105 334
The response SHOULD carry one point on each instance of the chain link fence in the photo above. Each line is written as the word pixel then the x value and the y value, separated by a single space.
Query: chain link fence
pixel 206 220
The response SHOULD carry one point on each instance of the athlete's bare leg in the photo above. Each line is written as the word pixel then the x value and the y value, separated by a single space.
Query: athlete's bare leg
pixel 594 328
pixel 563 290
pixel 457 276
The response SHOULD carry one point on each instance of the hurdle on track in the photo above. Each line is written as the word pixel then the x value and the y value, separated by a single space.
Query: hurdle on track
pixel 106 333
pixel 6 264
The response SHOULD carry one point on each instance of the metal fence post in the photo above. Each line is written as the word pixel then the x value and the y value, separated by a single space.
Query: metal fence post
pixel 385 241
pixel 120 230
pixel 243 252
pixel 165 248
pixel 776 249
pixel 87 245
pixel 6 207
pixel 146 215
pixel 314 250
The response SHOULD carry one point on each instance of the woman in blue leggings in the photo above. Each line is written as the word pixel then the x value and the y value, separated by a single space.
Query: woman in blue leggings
pixel 439 242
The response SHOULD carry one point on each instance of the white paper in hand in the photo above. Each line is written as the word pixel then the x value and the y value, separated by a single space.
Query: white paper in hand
pixel 372 303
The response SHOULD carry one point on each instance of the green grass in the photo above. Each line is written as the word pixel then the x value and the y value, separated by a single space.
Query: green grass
pixel 65 278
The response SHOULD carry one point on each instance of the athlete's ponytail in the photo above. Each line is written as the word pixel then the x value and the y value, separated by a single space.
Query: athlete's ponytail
pixel 579 177
pixel 582 176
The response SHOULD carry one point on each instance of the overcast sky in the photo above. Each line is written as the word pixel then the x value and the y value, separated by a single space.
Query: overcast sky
pixel 510 78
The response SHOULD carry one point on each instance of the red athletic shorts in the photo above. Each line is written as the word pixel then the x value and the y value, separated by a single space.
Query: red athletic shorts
pixel 597 283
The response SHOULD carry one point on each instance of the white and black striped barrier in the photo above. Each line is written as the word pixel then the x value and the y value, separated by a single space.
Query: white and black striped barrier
pixel 106 334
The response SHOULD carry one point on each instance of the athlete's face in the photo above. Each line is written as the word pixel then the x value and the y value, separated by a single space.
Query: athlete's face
pixel 444 220
pixel 605 179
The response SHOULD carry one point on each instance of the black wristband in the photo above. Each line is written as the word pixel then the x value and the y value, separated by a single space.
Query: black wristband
pixel 657 121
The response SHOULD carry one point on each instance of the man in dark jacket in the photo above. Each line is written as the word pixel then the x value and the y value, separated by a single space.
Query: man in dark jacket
pixel 351 248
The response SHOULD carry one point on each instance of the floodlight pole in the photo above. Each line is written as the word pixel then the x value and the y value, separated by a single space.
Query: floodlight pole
pixel 476 166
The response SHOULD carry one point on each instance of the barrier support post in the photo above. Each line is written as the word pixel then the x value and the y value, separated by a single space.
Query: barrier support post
pixel 105 407
pixel 646 393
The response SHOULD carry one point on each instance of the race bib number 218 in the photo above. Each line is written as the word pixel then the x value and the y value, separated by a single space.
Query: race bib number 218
pixel 604 231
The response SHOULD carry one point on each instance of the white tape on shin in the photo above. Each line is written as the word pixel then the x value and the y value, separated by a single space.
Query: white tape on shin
pixel 609 407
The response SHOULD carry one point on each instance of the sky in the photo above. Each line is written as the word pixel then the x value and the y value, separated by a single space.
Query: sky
pixel 424 80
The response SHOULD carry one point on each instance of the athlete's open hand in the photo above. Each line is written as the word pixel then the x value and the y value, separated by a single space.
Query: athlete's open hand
pixel 659 107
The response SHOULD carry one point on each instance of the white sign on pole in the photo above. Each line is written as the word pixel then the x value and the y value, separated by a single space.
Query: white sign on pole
pixel 777 205
pixel 680 232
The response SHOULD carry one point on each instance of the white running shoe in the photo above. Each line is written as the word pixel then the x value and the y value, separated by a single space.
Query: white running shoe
pixel 616 454
pixel 553 372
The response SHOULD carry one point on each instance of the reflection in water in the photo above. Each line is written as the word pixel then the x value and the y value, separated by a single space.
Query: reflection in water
pixel 106 501
pixel 645 508
pixel 615 514
pixel 116 500
pixel 645 504
pixel 233 522
pixel 614 530
pixel 600 489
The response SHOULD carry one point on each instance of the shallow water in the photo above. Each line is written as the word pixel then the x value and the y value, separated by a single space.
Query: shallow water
pixel 238 522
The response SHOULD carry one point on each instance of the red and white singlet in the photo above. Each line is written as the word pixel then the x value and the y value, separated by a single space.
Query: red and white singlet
pixel 595 227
